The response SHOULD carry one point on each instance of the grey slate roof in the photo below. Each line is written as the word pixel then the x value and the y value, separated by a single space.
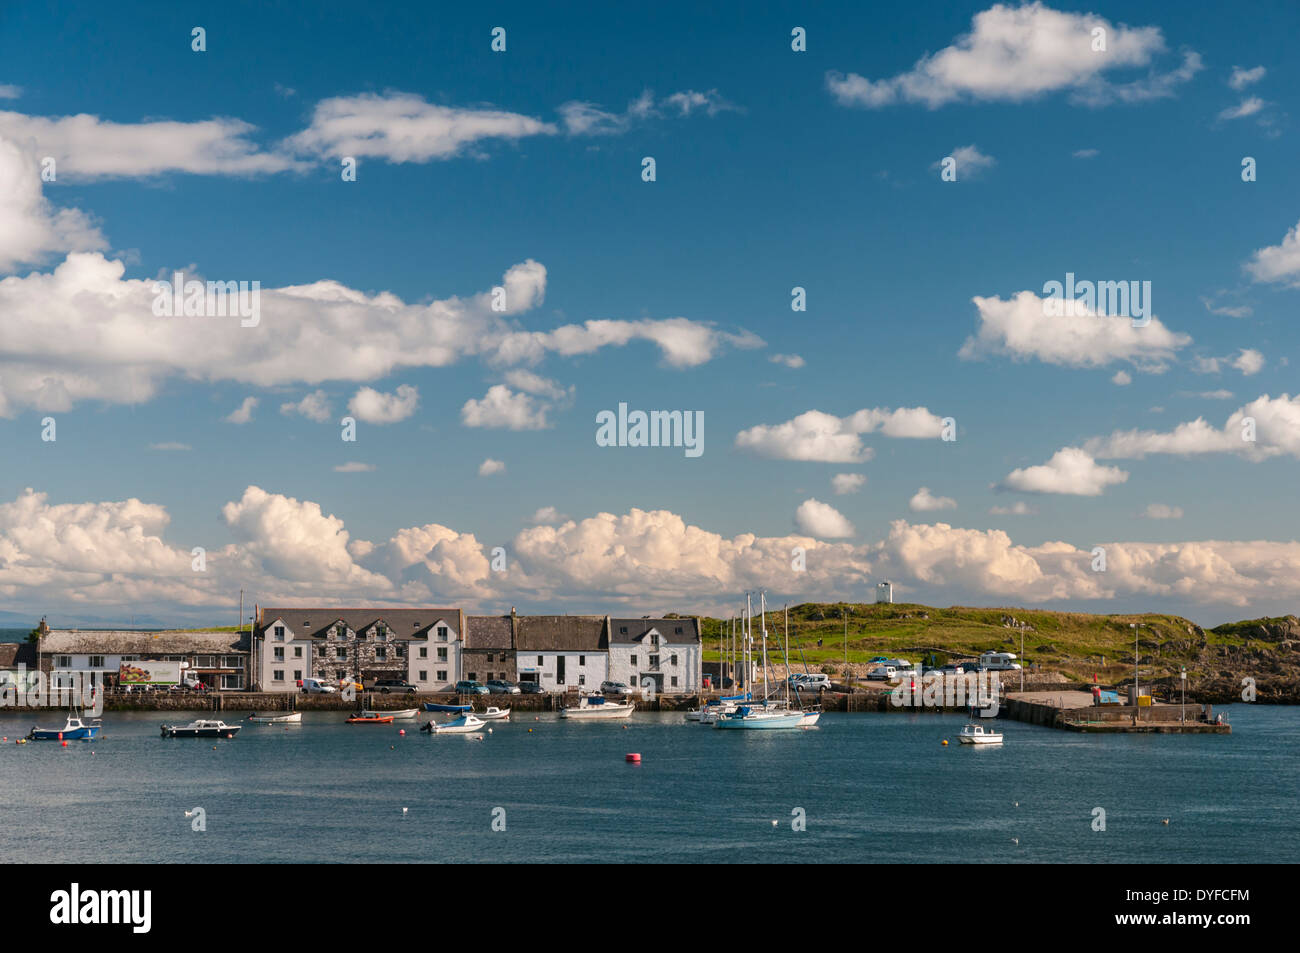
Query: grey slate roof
pixel 316 621
pixel 561 633
pixel 13 654
pixel 135 642
pixel 667 628
pixel 488 632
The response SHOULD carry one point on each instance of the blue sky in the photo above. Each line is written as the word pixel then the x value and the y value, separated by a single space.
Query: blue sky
pixel 774 169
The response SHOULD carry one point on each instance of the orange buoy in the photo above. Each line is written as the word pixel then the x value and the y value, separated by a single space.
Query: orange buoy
pixel 402 731
pixel 64 743
pixel 632 758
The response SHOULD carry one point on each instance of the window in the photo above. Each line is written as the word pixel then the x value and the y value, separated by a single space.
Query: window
pixel 279 653
pixel 582 660
pixel 674 681
pixel 472 677
pixel 96 661
pixel 279 633
pixel 442 655
pixel 673 660
pixel 424 651
pixel 382 633
pixel 297 651
pixel 343 651
pixel 63 661
pixel 423 675
pixel 582 679
pixel 277 675
pixel 381 653
pixel 622 630
pixel 297 675
pixel 634 661
pixel 203 661
pixel 442 632
pixel 489 658
pixel 442 675
pixel 679 630
pixel 654 661
pixel 129 658
pixel 401 651
pixel 539 660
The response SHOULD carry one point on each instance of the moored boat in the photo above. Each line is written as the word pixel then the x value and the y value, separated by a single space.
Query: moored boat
pixel 597 707
pixel 402 714
pixel 977 734
pixel 761 718
pixel 370 718
pixel 202 728
pixel 74 728
pixel 434 706
pixel 277 718
pixel 462 725
pixel 494 714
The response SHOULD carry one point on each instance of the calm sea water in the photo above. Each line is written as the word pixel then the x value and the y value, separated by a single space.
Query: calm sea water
pixel 874 787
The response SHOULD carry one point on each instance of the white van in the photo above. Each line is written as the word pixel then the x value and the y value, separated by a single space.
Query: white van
pixel 999 662
pixel 883 673
pixel 317 686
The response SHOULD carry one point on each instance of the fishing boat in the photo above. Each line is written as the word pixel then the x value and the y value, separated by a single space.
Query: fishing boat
pixel 977 734
pixel 598 708
pixel 277 718
pixel 75 728
pixel 370 718
pixel 402 714
pixel 434 706
pixel 202 728
pixel 457 726
pixel 494 714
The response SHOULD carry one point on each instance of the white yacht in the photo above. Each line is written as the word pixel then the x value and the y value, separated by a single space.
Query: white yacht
pixel 597 707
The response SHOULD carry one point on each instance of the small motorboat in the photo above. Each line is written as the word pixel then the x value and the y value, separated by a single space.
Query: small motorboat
pixel 434 706
pixel 277 718
pixel 597 707
pixel 370 718
pixel 457 726
pixel 494 714
pixel 74 728
pixel 404 714
pixel 202 728
pixel 977 734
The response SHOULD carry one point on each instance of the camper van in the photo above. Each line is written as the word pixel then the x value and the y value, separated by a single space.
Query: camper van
pixel 999 662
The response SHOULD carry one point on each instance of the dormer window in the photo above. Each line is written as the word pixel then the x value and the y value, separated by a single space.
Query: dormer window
pixel 442 633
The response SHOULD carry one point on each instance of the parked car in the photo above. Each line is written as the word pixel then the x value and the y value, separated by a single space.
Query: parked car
pixel 882 673
pixel 531 688
pixel 499 686
pixel 386 685
pixel 316 686
pixel 814 681
pixel 877 660
pixel 467 687
pixel 614 688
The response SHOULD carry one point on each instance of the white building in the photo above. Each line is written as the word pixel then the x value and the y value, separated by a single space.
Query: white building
pixel 219 659
pixel 421 646
pixel 662 655
pixel 885 591
pixel 562 652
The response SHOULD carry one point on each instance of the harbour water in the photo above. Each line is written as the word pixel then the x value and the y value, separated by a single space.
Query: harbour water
pixel 873 787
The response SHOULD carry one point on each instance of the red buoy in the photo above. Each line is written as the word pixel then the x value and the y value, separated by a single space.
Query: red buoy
pixel 633 758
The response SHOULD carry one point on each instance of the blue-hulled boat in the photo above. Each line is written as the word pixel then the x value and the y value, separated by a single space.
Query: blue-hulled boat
pixel 434 706
pixel 74 729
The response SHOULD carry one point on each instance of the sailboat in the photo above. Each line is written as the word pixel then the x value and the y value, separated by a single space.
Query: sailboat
pixel 770 715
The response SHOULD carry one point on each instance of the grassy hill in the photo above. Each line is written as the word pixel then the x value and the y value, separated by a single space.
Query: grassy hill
pixel 1073 643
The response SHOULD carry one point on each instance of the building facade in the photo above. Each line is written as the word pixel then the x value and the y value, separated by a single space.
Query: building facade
pixel 489 650
pixel 661 655
pixel 219 659
pixel 563 652
pixel 420 646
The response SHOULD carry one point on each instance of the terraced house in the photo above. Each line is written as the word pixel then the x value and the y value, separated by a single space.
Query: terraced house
pixel 421 646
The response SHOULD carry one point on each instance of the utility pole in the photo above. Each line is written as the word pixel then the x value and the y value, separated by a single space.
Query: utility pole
pixel 1022 661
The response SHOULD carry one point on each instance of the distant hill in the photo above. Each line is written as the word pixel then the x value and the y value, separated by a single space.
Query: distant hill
pixel 1072 643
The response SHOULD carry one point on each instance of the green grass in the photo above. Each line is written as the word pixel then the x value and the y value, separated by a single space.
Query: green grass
pixel 1073 643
